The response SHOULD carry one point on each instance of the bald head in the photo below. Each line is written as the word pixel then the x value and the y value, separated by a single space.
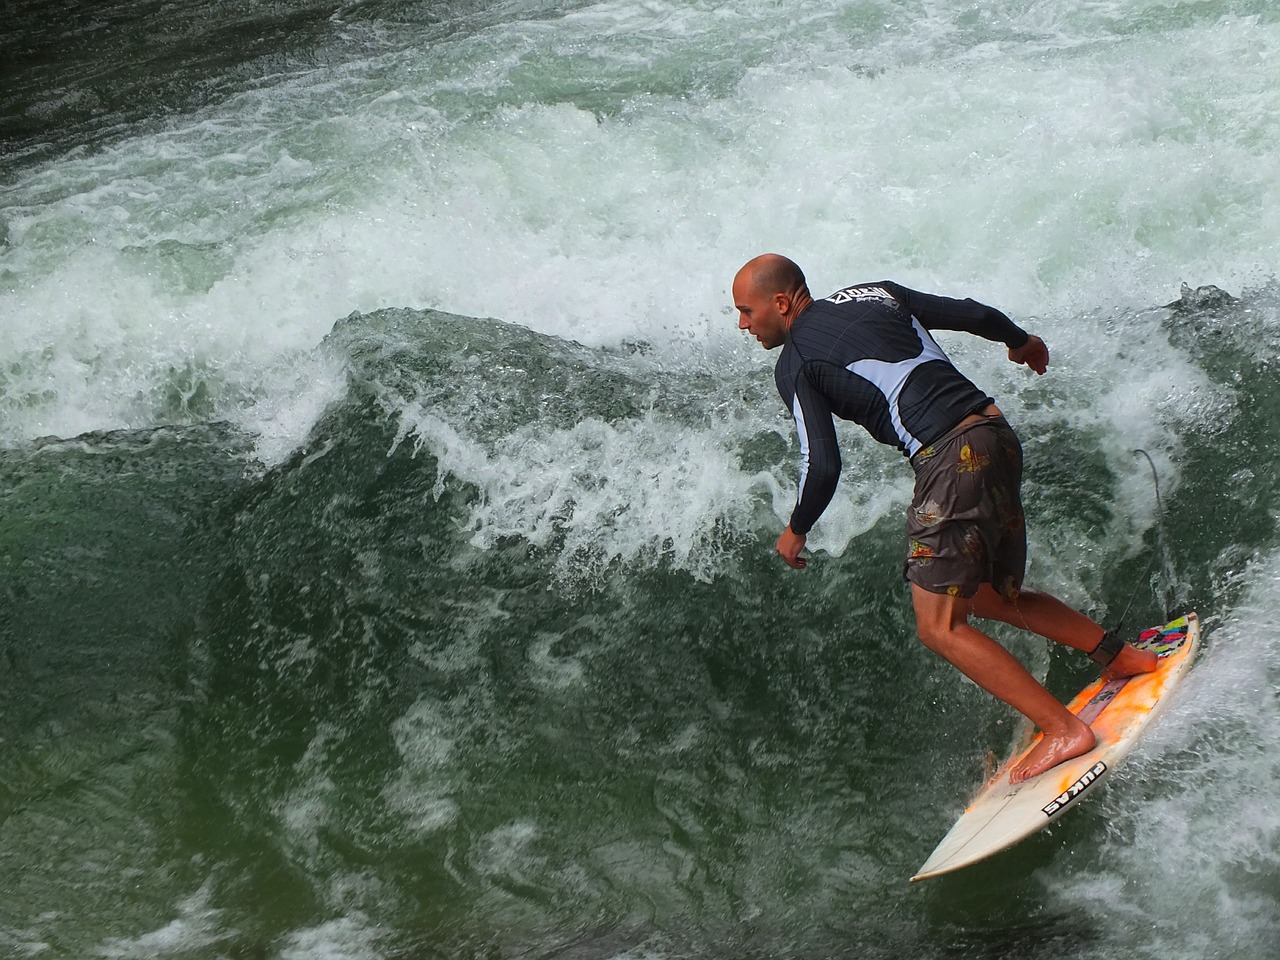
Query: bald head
pixel 769 292
pixel 772 273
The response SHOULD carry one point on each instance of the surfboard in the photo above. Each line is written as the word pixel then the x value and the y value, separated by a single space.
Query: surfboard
pixel 1002 813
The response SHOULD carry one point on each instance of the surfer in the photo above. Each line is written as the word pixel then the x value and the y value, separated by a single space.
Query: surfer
pixel 865 354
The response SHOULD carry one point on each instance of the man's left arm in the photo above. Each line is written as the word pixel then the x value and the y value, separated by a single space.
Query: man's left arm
pixel 970 316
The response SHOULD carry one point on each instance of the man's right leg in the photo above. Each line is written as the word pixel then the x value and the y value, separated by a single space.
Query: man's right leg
pixel 943 624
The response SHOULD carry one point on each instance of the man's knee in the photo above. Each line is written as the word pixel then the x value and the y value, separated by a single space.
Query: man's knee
pixel 937 635
pixel 940 617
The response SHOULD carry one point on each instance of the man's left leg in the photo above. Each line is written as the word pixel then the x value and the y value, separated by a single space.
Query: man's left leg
pixel 1046 615
pixel 942 622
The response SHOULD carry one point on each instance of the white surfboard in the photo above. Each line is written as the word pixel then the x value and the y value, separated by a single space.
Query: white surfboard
pixel 1118 710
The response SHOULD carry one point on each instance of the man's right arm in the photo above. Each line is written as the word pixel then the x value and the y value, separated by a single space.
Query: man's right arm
pixel 819 454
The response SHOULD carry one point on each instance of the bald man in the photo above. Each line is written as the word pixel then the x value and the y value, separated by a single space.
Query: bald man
pixel 865 354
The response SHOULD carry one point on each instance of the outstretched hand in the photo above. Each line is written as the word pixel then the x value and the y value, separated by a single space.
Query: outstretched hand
pixel 789 546
pixel 1033 353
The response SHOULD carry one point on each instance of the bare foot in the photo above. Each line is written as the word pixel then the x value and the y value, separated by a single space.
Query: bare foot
pixel 1053 750
pixel 1131 661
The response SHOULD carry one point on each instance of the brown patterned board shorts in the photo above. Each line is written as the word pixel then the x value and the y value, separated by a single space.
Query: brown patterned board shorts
pixel 965 525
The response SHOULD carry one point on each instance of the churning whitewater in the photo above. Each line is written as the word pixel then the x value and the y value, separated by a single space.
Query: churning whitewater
pixel 388 496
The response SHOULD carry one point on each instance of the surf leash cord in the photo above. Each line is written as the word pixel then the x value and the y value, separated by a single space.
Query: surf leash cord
pixel 1159 557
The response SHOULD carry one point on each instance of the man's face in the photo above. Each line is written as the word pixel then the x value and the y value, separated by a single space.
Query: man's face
pixel 759 314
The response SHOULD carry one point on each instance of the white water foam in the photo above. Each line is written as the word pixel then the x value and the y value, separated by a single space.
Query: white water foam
pixel 1052 162
pixel 349 937
pixel 196 929
pixel 425 738
pixel 600 493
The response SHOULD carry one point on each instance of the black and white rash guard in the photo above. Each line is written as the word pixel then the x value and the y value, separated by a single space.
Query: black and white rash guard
pixel 865 354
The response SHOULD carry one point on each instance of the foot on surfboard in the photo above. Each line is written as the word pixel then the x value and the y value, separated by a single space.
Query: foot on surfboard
pixel 1130 662
pixel 1051 751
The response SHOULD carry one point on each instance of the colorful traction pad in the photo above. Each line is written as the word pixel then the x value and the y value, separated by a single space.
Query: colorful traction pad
pixel 1163 640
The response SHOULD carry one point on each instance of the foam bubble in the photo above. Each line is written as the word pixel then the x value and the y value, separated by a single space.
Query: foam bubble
pixel 309 806
pixel 350 937
pixel 196 927
pixel 425 737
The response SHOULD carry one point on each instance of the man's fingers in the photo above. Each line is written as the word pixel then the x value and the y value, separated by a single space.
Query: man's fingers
pixel 1033 353
pixel 789 546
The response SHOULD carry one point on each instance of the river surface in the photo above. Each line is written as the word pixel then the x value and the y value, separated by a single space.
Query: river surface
pixel 387 497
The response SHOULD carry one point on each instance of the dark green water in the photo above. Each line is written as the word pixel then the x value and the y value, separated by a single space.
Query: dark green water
pixel 412 635
pixel 297 706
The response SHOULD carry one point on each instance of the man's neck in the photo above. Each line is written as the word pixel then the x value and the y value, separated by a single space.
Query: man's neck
pixel 802 303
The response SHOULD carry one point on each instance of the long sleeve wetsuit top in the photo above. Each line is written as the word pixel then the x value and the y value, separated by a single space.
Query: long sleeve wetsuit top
pixel 865 354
